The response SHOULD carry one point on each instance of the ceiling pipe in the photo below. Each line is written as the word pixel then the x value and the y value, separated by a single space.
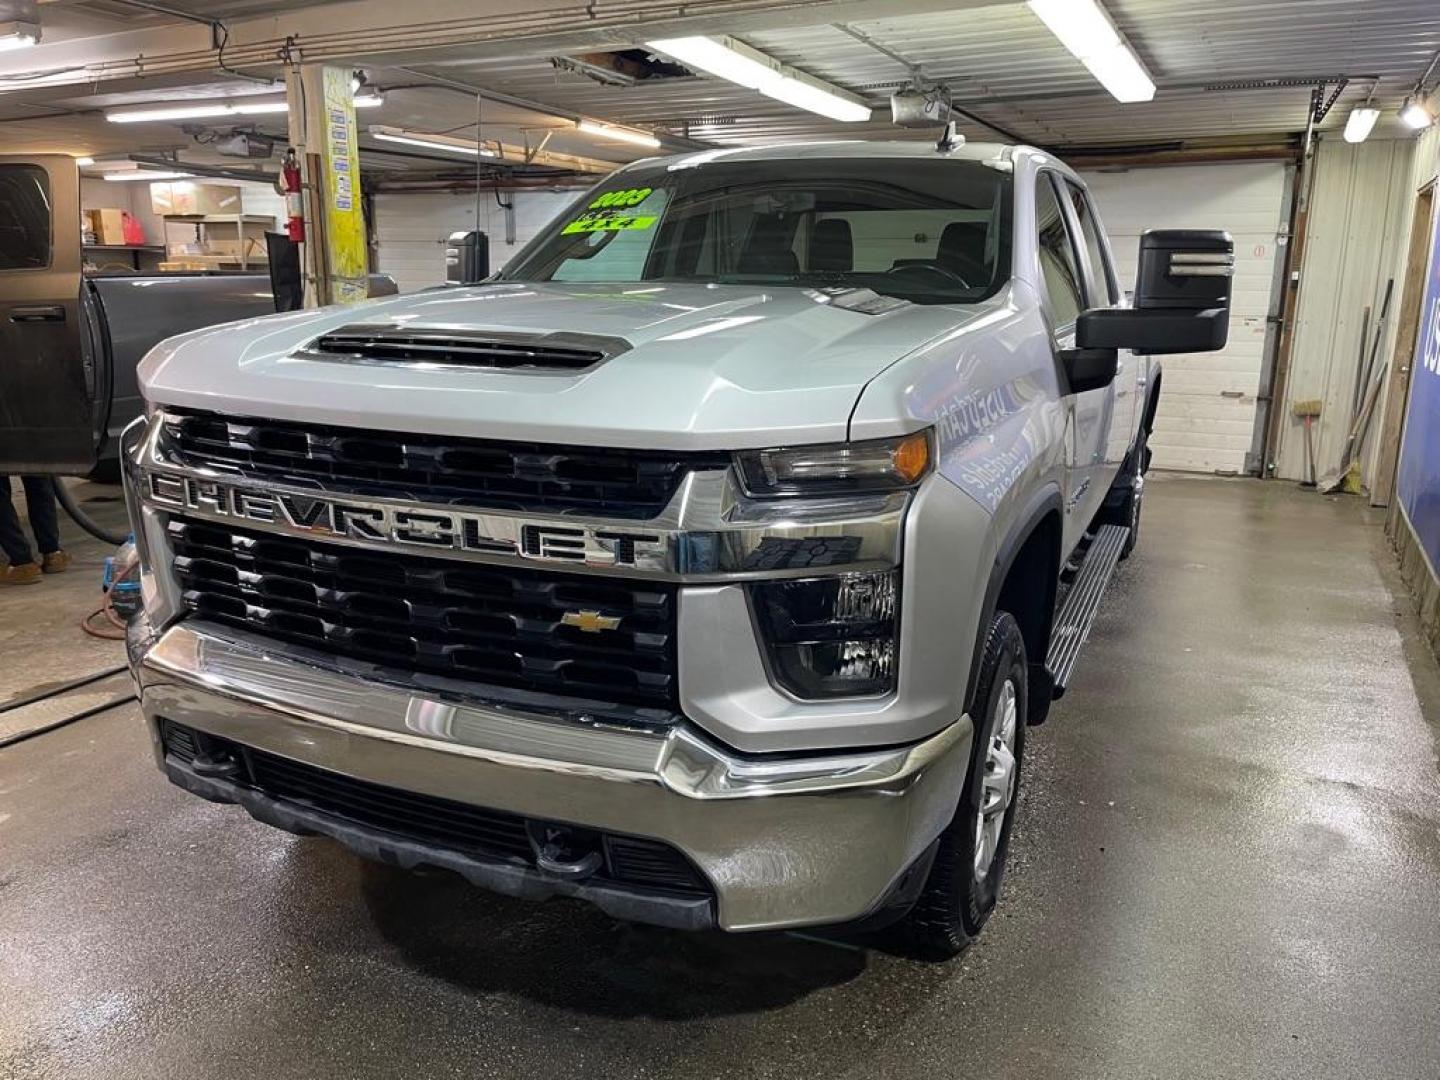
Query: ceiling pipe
pixel 466 184
pixel 441 82
pixel 219 32
pixel 1178 154
pixel 214 172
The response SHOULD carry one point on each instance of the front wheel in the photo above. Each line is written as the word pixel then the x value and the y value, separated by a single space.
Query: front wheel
pixel 964 880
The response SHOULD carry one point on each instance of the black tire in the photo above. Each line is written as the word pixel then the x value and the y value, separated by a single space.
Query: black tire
pixel 956 901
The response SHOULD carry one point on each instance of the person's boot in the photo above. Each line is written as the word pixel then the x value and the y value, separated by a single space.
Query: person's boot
pixel 24 574
pixel 55 562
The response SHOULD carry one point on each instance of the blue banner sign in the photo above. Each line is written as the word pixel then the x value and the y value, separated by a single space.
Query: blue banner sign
pixel 1419 482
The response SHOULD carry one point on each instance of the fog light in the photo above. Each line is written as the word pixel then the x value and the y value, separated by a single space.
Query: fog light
pixel 831 637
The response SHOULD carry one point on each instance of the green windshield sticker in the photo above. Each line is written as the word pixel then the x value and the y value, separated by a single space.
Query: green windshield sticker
pixel 608 222
pixel 621 200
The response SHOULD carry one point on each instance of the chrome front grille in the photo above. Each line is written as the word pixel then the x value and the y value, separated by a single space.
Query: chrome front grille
pixel 538 477
pixel 598 639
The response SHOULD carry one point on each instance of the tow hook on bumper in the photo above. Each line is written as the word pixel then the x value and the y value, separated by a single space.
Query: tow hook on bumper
pixel 677 912
pixel 564 852
pixel 783 841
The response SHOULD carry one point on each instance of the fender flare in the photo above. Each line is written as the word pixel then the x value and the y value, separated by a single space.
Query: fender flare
pixel 1130 468
pixel 1152 401
pixel 1043 502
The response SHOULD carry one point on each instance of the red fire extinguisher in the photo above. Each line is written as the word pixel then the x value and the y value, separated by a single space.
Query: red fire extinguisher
pixel 294 201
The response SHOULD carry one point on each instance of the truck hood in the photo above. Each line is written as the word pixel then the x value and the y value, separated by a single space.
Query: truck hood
pixel 708 367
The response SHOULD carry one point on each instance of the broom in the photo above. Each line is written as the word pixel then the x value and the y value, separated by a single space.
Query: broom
pixel 1306 411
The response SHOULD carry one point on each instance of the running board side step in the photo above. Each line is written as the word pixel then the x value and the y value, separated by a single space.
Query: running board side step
pixel 1082 602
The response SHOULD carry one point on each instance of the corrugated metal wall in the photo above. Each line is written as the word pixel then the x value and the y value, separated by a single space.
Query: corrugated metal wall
pixel 1424 167
pixel 1360 201
pixel 410 229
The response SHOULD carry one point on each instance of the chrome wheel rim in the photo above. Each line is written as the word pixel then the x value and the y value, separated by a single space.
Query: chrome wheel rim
pixel 997 782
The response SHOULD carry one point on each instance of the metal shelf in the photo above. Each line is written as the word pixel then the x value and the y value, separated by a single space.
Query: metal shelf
pixel 241 223
pixel 222 219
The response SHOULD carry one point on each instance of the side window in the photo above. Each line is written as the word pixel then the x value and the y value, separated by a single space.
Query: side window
pixel 1102 274
pixel 1058 264
pixel 24 218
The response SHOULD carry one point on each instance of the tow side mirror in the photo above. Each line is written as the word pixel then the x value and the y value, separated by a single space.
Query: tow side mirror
pixel 1182 297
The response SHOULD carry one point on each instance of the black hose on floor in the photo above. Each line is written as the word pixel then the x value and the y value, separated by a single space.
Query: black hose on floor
pixel 84 520
pixel 62 688
pixel 124 699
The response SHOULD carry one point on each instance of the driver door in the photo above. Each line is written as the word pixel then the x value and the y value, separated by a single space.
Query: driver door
pixel 1087 418
pixel 47 388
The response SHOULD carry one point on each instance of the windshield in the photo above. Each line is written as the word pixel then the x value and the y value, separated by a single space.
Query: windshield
pixel 933 232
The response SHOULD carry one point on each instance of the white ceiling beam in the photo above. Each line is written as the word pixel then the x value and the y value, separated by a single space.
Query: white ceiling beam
pixel 370 31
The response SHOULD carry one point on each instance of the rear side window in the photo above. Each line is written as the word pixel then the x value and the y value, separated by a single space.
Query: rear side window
pixel 1058 263
pixel 1101 274
pixel 24 218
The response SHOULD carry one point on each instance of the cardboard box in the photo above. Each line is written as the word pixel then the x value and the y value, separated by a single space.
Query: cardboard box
pixel 108 225
pixel 163 199
pixel 188 197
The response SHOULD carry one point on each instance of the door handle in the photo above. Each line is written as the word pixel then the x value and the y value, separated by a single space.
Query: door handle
pixel 42 313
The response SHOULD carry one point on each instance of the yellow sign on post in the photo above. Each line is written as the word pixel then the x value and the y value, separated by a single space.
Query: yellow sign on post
pixel 322 130
pixel 344 230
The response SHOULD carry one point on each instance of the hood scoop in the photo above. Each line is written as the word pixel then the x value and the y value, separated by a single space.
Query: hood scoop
pixel 461 348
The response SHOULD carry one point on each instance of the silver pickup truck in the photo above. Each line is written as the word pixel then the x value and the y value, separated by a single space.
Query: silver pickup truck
pixel 707 564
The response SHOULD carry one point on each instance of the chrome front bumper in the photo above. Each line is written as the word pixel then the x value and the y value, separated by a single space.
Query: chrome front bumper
pixel 784 840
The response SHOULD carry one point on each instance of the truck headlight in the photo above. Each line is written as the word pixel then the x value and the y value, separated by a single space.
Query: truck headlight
pixel 833 636
pixel 839 468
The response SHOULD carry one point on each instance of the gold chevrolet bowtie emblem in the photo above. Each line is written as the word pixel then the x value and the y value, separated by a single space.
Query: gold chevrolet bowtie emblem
pixel 592 622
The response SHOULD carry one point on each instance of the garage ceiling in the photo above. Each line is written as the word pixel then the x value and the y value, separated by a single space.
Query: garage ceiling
pixel 1003 64
pixel 1225 69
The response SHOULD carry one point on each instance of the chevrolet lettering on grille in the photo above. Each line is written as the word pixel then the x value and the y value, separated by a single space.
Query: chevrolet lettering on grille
pixel 377 524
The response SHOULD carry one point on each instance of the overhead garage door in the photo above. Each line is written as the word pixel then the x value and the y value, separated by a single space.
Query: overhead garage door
pixel 410 229
pixel 1207 410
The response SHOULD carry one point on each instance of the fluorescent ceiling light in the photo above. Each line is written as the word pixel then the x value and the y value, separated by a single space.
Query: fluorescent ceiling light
pixel 171 112
pixel 196 112
pixel 619 134
pixel 148 174
pixel 806 93
pixel 727 58
pixel 1360 123
pixel 447 143
pixel 81 162
pixel 234 107
pixel 1414 114
pixel 717 58
pixel 1085 29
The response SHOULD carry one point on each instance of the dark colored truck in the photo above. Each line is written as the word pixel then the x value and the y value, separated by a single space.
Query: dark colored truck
pixel 70 342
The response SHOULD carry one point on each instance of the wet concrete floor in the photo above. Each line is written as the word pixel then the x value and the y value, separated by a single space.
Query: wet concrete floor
pixel 1227 864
